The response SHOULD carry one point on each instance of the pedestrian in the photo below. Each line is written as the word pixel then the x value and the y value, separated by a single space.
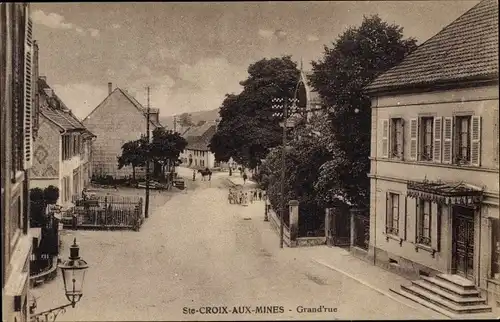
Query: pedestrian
pixel 244 178
pixel 260 194
pixel 194 175
pixel 255 194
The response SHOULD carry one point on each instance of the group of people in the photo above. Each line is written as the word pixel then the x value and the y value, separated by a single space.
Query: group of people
pixel 238 196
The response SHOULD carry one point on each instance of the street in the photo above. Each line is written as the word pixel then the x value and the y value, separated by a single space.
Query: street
pixel 199 251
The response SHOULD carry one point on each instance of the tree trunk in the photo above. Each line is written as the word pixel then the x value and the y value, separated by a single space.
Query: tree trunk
pixel 133 173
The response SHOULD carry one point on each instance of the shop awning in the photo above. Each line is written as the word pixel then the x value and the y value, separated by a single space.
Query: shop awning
pixel 445 193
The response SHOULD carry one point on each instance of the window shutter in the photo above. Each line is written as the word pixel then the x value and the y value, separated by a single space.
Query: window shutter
pixel 438 132
pixel 448 140
pixel 388 219
pixel 434 223
pixel 475 150
pixel 413 139
pixel 28 124
pixel 496 135
pixel 385 138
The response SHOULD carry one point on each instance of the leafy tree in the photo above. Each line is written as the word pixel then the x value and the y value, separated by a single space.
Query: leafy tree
pixel 185 120
pixel 166 147
pixel 356 58
pixel 133 154
pixel 247 129
pixel 305 154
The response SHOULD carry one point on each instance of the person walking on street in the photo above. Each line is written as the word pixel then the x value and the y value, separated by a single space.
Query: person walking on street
pixel 244 178
pixel 194 175
pixel 260 194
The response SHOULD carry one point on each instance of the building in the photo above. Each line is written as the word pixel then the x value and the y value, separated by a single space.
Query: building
pixel 434 156
pixel 197 153
pixel 119 118
pixel 62 150
pixel 16 155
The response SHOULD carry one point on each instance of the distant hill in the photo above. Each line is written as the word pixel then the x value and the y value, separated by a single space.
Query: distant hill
pixel 208 116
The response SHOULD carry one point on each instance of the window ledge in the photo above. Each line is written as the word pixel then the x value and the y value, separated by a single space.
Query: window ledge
pixel 426 248
pixel 437 164
pixel 394 237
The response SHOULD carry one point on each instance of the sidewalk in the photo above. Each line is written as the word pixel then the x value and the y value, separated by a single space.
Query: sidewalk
pixel 339 260
pixel 238 180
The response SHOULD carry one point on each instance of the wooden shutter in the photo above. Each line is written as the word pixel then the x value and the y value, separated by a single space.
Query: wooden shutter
pixel 385 138
pixel 413 139
pixel 496 134
pixel 388 219
pixel 475 149
pixel 437 135
pixel 28 133
pixel 448 140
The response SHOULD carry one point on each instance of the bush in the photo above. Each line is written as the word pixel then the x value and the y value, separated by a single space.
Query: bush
pixel 37 208
pixel 51 194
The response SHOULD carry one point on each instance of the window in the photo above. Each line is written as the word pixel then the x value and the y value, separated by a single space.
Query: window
pixel 424 222
pixel 396 139
pixel 392 217
pixel 462 139
pixel 427 137
pixel 495 249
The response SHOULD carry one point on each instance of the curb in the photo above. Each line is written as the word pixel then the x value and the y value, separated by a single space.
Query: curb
pixel 369 285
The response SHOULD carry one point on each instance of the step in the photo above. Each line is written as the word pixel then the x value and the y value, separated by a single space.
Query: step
pixel 425 303
pixel 448 295
pixel 450 287
pixel 445 304
pixel 458 281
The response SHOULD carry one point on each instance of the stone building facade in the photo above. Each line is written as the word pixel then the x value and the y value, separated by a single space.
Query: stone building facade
pixel 119 118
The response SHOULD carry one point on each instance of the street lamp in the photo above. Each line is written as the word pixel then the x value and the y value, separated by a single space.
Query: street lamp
pixel 73 274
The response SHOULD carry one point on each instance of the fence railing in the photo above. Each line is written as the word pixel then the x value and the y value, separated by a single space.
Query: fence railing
pixel 108 212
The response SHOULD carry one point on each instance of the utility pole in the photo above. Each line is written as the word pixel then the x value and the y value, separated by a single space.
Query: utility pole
pixel 146 207
pixel 283 172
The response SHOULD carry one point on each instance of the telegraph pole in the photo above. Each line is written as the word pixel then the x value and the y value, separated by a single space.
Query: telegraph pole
pixel 283 172
pixel 146 207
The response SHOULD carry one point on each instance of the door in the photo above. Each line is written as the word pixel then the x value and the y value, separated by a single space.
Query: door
pixel 463 242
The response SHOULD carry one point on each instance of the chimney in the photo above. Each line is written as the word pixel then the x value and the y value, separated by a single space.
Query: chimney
pixel 110 87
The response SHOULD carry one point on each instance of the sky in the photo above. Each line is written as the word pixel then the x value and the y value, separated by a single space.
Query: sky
pixel 191 54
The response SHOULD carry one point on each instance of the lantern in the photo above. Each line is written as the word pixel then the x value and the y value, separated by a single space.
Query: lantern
pixel 73 274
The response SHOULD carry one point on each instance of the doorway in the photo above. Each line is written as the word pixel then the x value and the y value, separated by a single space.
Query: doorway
pixel 463 242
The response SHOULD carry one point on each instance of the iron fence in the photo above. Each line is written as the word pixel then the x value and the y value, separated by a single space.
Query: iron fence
pixel 107 212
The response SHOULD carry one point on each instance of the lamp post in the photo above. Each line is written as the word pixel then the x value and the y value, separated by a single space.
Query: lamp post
pixel 73 274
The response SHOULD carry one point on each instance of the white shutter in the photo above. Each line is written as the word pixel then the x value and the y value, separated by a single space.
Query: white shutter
pixel 437 134
pixel 475 149
pixel 385 138
pixel 448 140
pixel 28 135
pixel 413 139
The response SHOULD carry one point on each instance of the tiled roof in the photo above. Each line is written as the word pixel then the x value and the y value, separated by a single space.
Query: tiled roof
pixel 199 137
pixel 55 109
pixel 465 49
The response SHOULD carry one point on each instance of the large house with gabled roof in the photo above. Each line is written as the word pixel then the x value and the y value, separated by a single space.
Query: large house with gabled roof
pixel 119 118
pixel 61 154
pixel 434 199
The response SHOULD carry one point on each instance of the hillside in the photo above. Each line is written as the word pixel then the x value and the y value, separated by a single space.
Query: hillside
pixel 208 116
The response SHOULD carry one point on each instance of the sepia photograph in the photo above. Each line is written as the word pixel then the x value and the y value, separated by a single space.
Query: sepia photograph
pixel 250 160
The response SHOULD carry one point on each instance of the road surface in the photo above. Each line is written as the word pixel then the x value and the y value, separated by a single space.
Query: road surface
pixel 198 254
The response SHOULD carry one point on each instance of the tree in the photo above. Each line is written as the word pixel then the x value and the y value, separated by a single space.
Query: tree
pixel 185 120
pixel 247 129
pixel 166 147
pixel 305 154
pixel 133 154
pixel 356 58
